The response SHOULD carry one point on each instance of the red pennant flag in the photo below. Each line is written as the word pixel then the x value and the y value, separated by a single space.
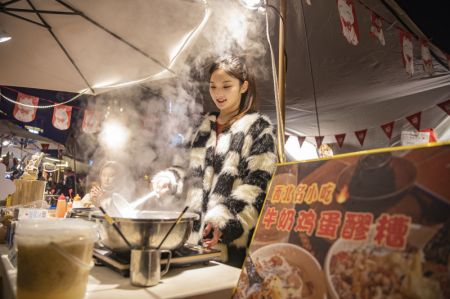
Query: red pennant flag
pixel 90 122
pixel 44 147
pixel 26 113
pixel 349 22
pixel 445 106
pixel 426 57
pixel 301 139
pixel 340 139
pixel 361 135
pixel 319 140
pixel 415 120
pixel 388 129
pixel 61 117
pixel 286 137
pixel 407 52
pixel 376 28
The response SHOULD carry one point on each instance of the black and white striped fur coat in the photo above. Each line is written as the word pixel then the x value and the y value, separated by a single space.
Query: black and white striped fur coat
pixel 232 173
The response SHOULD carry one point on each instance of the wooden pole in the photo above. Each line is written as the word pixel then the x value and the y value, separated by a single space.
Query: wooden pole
pixel 281 83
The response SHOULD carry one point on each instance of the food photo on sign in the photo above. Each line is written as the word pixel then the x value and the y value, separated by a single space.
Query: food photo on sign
pixel 369 225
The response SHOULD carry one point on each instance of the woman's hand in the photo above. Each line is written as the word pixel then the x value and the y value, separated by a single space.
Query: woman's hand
pixel 216 235
pixel 163 183
pixel 95 193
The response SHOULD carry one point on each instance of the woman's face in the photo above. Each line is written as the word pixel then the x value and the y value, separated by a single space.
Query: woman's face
pixel 108 178
pixel 226 91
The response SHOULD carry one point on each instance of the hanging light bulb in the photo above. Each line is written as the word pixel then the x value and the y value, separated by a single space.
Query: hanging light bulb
pixel 252 4
pixel 114 135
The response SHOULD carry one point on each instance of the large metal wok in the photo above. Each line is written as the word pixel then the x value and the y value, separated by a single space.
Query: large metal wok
pixel 146 230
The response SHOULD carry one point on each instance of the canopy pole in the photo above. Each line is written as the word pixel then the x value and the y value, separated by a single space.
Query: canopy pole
pixel 75 170
pixel 281 83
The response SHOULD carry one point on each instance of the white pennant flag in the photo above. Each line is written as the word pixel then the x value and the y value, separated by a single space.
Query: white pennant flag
pixel 407 52
pixel 349 23
pixel 61 117
pixel 24 113
pixel 90 122
pixel 426 57
pixel 376 28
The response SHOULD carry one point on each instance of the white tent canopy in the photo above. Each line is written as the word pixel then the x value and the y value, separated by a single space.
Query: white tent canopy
pixel 107 43
pixel 352 87
pixel 356 87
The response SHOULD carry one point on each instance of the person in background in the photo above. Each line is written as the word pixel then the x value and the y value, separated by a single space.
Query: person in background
pixel 67 185
pixel 232 158
pixel 101 194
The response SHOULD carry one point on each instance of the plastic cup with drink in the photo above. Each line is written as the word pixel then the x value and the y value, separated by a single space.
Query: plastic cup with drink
pixel 54 258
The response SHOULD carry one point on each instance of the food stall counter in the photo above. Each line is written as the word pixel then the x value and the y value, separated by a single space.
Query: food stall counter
pixel 212 280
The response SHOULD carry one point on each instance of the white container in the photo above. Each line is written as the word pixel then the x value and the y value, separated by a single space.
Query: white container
pixel 54 258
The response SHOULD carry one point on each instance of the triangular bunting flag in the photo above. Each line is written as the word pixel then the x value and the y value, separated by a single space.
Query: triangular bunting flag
pixel 44 147
pixel 286 137
pixel 376 28
pixel 388 129
pixel 61 117
pixel 445 106
pixel 349 22
pixel 319 140
pixel 90 122
pixel 340 139
pixel 407 52
pixel 415 120
pixel 301 139
pixel 361 135
pixel 25 112
pixel 426 57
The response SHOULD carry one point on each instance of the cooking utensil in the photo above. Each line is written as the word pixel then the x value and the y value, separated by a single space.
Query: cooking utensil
pixel 145 266
pixel 146 230
pixel 173 225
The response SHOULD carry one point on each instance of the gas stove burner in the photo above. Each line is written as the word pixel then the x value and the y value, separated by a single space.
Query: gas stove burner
pixel 181 257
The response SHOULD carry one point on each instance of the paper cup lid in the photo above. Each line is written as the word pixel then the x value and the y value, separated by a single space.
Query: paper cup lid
pixel 44 230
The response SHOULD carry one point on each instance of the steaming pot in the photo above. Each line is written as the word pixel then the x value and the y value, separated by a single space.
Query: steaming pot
pixel 146 230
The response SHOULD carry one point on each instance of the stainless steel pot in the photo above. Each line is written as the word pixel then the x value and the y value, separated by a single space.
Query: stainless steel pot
pixel 146 230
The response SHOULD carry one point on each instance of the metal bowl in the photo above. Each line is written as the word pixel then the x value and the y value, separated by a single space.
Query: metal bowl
pixel 146 230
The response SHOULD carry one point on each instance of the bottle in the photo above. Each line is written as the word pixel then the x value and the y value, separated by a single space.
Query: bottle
pixel 61 207
pixel 9 200
pixel 77 202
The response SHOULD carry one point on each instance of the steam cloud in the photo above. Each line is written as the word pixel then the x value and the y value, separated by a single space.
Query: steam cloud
pixel 160 115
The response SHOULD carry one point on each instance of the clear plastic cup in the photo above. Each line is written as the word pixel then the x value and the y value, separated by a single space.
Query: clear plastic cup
pixel 54 258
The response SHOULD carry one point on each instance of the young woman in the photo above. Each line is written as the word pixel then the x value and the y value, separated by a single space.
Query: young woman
pixel 101 194
pixel 232 159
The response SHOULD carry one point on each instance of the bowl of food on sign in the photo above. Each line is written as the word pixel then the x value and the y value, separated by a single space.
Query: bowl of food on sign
pixel 362 269
pixel 376 180
pixel 281 270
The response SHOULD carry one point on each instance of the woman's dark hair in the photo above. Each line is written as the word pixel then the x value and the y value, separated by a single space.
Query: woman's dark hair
pixel 236 67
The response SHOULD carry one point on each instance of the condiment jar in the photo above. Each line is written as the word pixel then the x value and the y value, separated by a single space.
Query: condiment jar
pixel 61 207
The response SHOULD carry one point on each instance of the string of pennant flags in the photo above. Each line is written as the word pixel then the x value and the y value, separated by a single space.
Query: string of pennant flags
pixel 26 107
pixel 350 30
pixel 91 119
pixel 388 129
